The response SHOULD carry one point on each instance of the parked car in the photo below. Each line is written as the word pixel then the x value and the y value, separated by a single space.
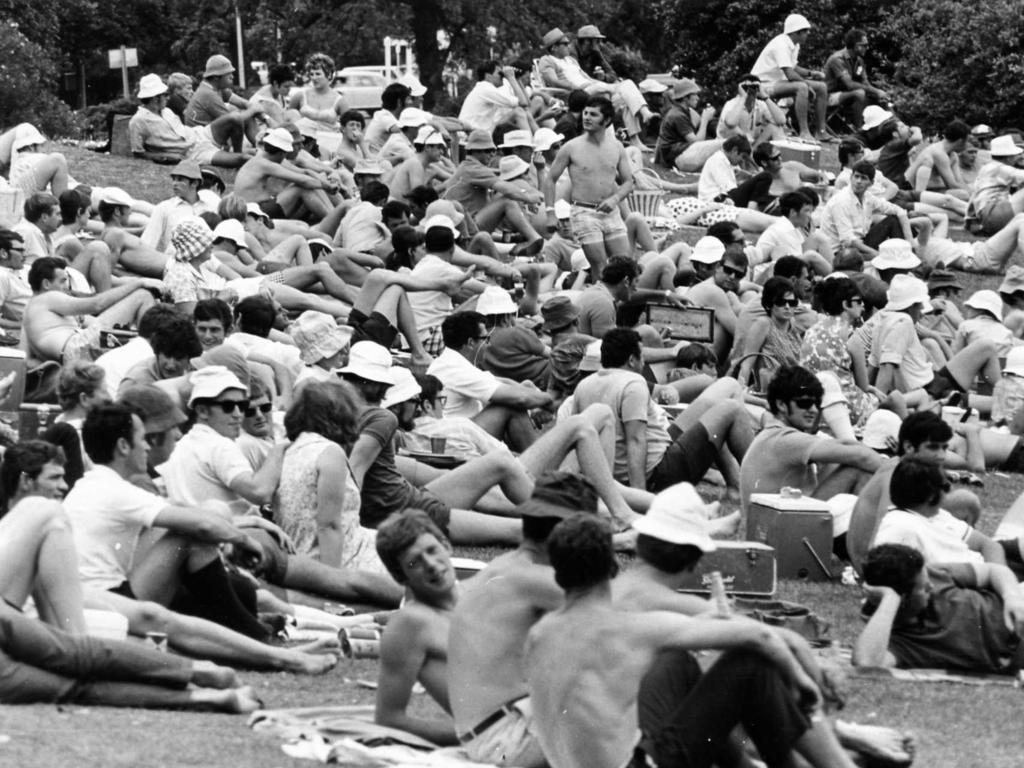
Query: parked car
pixel 361 88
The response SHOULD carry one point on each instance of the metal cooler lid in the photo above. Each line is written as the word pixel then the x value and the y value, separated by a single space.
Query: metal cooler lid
pixel 778 501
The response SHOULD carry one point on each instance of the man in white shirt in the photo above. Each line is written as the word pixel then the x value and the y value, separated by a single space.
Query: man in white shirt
pixel 385 120
pixel 496 99
pixel 186 179
pixel 41 219
pixel 501 406
pixel 777 68
pixel 788 235
pixel 993 204
pixel 118 361
pixel 847 221
pixel 717 177
pixel 14 289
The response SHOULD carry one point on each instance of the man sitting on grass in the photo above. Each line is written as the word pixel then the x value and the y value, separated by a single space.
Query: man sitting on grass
pixel 965 617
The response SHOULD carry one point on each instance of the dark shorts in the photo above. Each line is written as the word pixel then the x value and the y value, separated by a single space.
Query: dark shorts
pixel 376 328
pixel 124 589
pixel 689 456
pixel 436 509
pixel 272 209
pixel 995 216
pixel 275 559
pixel 942 384
pixel 1015 461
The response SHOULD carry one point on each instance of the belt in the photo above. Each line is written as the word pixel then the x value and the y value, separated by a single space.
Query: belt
pixel 504 710
pixel 592 206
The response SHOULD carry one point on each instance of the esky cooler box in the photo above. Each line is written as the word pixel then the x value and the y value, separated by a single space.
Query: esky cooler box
pixel 747 568
pixel 800 530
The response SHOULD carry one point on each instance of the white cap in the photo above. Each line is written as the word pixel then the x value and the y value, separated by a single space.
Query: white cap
pixel 369 360
pixel 516 138
pixel 116 196
pixel 429 135
pixel 213 381
pixel 678 515
pixel 874 116
pixel 708 250
pixel 881 424
pixel 1004 146
pixel 987 301
pixel 253 209
pixel 230 229
pixel 495 301
pixel 439 221
pixel 412 118
pixel 895 253
pixel 405 388
pixel 544 139
pixel 906 291
pixel 794 23
pixel 279 138
pixel 650 85
pixel 579 261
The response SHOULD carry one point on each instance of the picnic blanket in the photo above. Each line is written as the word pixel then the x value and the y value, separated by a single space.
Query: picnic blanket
pixel 840 658
pixel 347 735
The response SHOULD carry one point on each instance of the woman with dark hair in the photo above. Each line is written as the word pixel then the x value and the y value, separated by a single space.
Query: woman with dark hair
pixel 408 248
pixel 774 337
pixel 317 501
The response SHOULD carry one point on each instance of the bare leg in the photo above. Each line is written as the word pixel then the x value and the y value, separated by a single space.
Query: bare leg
pixel 474 529
pixel 310 575
pixel 304 278
pixel 508 424
pixel 977 357
pixel 844 479
pixel 38 558
pixel 639 233
pixel 462 487
pixel 659 274
pixel 292 298
pixel 127 311
pixel 345 268
pixel 95 262
pixel 596 255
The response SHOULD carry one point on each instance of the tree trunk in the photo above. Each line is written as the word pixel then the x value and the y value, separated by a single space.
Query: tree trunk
pixel 427 19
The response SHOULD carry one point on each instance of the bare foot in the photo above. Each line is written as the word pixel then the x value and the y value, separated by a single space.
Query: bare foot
pixel 326 644
pixel 243 700
pixel 206 674
pixel 310 663
pixel 237 701
pixel 726 526
pixel 876 741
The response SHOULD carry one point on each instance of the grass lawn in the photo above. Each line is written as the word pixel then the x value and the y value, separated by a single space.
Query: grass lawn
pixel 957 725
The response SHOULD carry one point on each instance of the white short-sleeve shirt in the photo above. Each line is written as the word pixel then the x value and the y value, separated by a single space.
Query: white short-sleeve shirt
pixel 107 516
pixel 202 467
pixel 939 539
pixel 716 178
pixel 466 387
pixel 430 308
pixel 780 52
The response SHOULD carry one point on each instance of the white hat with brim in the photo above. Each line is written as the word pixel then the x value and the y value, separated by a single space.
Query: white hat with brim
pixel 368 168
pixel 253 209
pixel 578 261
pixel 116 196
pixel 512 167
pixel 318 336
pixel 650 85
pixel 1004 146
pixel 708 250
pixel 874 116
pixel 429 135
pixel 151 85
pixel 230 229
pixel 678 515
pixel 987 301
pixel 444 208
pixel 906 291
pixel 279 138
pixel 440 221
pixel 369 360
pixel 211 382
pixel 1015 361
pixel 412 117
pixel 495 301
pixel 413 83
pixel 895 253
pixel 516 138
pixel 880 425
pixel 404 389
pixel 217 65
pixel 26 135
pixel 795 22
pixel 545 138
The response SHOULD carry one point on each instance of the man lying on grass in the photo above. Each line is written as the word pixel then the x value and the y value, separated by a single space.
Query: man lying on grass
pixel 964 616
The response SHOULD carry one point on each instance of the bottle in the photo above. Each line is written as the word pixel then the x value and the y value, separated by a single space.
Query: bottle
pixel 718 596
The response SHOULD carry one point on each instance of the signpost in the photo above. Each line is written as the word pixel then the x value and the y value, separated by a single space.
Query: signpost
pixel 122 58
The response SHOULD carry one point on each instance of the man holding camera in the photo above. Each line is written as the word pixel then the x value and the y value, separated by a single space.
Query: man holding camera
pixel 752 114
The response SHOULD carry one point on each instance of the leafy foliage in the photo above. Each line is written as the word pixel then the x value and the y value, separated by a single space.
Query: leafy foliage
pixel 26 75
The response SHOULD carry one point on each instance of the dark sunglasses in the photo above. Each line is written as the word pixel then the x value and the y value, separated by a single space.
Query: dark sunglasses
pixel 857 300
pixel 787 302
pixel 229 406
pixel 734 271
pixel 806 403
pixel 265 408
pixel 775 157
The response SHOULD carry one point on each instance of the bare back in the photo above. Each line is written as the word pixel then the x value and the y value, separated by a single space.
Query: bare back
pixel 251 182
pixel 594 166
pixel 488 630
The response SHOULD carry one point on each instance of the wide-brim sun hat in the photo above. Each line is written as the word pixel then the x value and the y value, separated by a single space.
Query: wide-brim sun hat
pixel 318 336
pixel 279 138
pixel 26 135
pixel 677 515
pixel 404 389
pixel 987 301
pixel 495 301
pixel 895 253
pixel 512 167
pixel 213 381
pixel 191 238
pixel 906 291
pixel 151 85
pixel 558 312
pixel 545 138
pixel 371 361
pixel 479 139
pixel 231 229
pixel 218 65
pixel 516 138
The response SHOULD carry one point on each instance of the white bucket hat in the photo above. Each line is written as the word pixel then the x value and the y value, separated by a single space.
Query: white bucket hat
pixel 495 301
pixel 881 424
pixel 708 250
pixel 895 253
pixel 151 85
pixel 678 515
pixel 1004 146
pixel 874 116
pixel 411 117
pixel 318 336
pixel 516 138
pixel 987 301
pixel 211 382
pixel 544 139
pixel 369 360
pixel 405 388
pixel 279 138
pixel 795 23
pixel 512 167
pixel 25 135
pixel 906 291
pixel 429 135
pixel 440 220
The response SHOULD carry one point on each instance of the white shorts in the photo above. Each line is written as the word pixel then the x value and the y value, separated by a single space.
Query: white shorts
pixel 510 741
pixel 204 148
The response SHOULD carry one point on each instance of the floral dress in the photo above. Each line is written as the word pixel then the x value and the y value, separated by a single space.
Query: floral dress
pixel 295 507
pixel 824 349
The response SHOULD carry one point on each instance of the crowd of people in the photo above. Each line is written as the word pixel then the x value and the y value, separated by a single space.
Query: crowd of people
pixel 376 336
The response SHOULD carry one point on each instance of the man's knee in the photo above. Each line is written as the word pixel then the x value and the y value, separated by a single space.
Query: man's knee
pixel 151 617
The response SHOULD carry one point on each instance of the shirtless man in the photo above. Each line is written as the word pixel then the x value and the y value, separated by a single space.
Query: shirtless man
pixel 90 257
pixel 424 168
pixel 719 293
pixel 126 249
pixel 587 663
pixel 486 674
pixel 51 316
pixel 414 648
pixel 787 175
pixel 934 167
pixel 602 178
pixel 279 190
